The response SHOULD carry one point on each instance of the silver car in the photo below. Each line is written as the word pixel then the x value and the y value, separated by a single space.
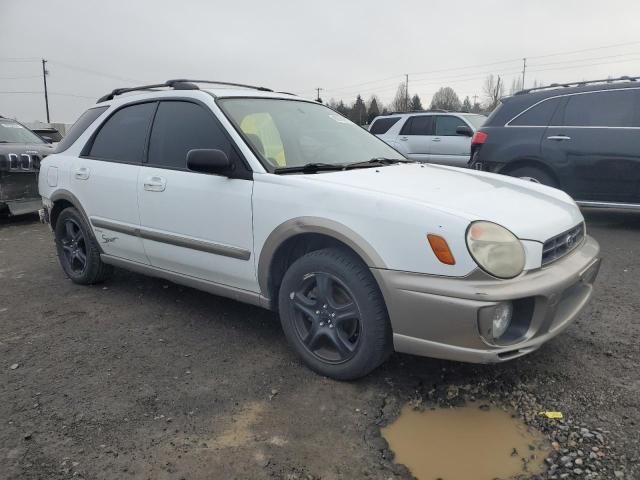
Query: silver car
pixel 434 137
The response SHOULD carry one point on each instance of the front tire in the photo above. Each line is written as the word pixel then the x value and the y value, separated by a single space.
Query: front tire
pixel 533 174
pixel 77 249
pixel 333 314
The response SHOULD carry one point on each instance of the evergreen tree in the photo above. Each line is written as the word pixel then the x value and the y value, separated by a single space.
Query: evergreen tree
pixel 373 111
pixel 342 109
pixel 416 103
pixel 466 105
pixel 358 112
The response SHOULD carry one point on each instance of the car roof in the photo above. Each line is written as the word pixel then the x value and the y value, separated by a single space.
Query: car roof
pixel 138 95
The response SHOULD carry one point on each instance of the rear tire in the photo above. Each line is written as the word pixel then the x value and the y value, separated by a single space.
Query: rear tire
pixel 333 314
pixel 533 174
pixel 78 250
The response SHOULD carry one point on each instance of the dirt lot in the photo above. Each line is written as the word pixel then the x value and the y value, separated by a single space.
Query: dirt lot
pixel 139 378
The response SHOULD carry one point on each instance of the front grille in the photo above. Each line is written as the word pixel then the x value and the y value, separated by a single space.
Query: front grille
pixel 560 245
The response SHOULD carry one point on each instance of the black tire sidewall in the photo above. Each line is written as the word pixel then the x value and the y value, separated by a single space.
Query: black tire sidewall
pixel 375 339
pixel 92 271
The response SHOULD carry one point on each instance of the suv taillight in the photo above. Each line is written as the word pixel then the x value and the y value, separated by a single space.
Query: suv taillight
pixel 479 138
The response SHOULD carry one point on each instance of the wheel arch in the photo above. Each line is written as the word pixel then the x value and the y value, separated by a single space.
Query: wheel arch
pixel 529 162
pixel 62 199
pixel 296 237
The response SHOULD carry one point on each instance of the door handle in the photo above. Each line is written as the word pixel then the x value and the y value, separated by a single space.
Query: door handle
pixel 436 139
pixel 155 184
pixel 404 139
pixel 559 138
pixel 81 173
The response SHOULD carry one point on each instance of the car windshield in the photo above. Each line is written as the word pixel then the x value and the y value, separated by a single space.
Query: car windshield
pixel 294 133
pixel 13 132
pixel 476 120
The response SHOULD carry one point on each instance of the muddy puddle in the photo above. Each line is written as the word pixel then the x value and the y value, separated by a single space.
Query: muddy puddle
pixel 472 442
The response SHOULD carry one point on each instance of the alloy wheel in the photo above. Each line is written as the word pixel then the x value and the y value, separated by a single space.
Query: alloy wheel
pixel 326 318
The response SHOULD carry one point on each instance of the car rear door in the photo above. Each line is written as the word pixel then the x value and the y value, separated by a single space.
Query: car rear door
pixel 447 146
pixel 415 138
pixel 104 179
pixel 595 138
pixel 195 224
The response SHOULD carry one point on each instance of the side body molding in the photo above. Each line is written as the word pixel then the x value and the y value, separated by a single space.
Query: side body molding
pixel 323 226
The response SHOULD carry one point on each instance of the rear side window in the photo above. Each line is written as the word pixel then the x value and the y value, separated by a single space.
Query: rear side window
pixel 601 109
pixel 179 127
pixel 78 128
pixel 446 125
pixel 382 125
pixel 418 125
pixel 122 137
pixel 539 115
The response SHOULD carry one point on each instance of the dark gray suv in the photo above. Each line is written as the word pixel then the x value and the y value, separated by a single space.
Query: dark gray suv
pixel 583 138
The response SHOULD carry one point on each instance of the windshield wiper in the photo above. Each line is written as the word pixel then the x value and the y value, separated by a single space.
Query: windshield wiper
pixel 377 162
pixel 310 168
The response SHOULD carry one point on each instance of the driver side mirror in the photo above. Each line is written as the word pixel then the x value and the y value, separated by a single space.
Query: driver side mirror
pixel 464 130
pixel 208 160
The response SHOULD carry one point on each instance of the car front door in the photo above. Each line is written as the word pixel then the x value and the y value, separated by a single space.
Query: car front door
pixel 447 146
pixel 195 224
pixel 415 138
pixel 595 139
pixel 104 180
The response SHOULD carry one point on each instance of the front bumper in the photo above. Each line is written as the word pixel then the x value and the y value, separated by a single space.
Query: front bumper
pixel 438 316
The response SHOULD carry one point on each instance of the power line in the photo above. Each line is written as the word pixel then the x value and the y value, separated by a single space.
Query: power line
pixel 343 88
pixel 18 59
pixel 95 72
pixel 20 77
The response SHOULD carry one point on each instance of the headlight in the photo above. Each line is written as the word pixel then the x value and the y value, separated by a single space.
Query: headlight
pixel 495 249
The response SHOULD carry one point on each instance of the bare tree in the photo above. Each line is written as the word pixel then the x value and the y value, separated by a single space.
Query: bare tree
pixel 516 85
pixel 493 91
pixel 445 99
pixel 399 102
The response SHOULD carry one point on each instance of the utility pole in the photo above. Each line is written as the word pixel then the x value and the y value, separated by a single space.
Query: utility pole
pixel 524 70
pixel 46 93
pixel 406 96
pixel 318 99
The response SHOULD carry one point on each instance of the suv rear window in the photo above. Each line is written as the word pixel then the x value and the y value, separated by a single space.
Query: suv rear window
pixel 78 128
pixel 122 137
pixel 601 109
pixel 539 115
pixel 382 125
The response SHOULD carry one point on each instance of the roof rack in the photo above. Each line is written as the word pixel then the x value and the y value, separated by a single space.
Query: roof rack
pixel 177 84
pixel 435 110
pixel 579 84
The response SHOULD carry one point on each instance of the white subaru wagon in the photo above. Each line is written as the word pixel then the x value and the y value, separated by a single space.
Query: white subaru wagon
pixel 281 202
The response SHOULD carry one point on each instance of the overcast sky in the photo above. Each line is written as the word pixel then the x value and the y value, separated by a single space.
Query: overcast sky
pixel 346 47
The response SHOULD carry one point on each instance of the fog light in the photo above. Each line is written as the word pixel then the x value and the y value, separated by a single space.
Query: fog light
pixel 502 314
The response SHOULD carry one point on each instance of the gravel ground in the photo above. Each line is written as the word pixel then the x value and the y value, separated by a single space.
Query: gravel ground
pixel 139 378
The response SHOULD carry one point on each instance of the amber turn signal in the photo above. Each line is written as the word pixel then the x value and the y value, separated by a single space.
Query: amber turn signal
pixel 441 249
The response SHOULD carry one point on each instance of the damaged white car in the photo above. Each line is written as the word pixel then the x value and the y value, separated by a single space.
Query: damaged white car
pixel 281 202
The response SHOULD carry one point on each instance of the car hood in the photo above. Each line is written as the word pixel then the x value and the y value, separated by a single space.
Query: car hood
pixel 531 211
pixel 40 149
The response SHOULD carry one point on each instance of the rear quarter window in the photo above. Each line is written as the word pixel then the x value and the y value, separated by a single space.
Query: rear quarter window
pixel 538 115
pixel 382 125
pixel 78 128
